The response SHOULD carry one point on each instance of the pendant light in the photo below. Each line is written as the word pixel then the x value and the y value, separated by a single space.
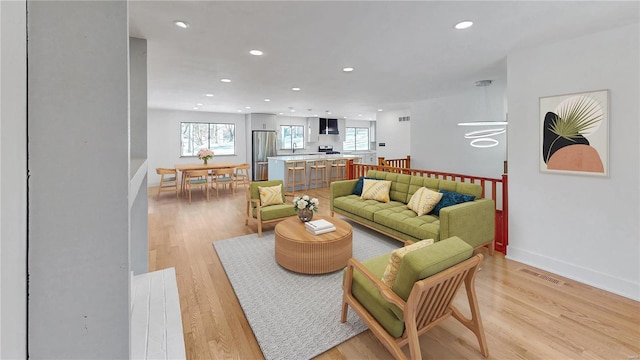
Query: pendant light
pixel 483 138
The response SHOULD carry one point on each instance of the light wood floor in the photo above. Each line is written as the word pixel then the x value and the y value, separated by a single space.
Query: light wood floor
pixel 527 313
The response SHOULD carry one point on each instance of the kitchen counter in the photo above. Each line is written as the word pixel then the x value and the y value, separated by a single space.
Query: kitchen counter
pixel 312 157
pixel 278 168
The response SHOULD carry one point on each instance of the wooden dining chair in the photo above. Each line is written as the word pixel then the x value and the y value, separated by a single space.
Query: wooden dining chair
pixel 198 178
pixel 241 176
pixel 168 181
pixel 222 178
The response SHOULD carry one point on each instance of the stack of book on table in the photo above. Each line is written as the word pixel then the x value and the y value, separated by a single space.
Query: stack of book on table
pixel 317 227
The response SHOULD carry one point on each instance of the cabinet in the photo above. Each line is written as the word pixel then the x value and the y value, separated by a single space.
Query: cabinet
pixel 313 125
pixel 342 129
pixel 262 121
pixel 372 131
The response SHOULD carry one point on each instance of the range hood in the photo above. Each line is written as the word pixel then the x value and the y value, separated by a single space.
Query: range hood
pixel 329 126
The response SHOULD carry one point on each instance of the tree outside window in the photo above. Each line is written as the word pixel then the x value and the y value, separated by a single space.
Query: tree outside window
pixel 218 137
pixel 291 137
pixel 356 139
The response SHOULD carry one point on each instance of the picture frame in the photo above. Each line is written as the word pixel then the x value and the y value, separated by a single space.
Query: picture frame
pixel 574 133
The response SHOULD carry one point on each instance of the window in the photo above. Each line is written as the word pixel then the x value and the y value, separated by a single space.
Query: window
pixel 220 138
pixel 356 139
pixel 291 137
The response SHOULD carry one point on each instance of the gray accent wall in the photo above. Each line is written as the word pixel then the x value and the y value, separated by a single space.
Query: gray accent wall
pixel 138 154
pixel 78 128
pixel 13 180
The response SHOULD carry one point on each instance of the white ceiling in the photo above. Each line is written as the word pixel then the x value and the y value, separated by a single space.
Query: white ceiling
pixel 402 52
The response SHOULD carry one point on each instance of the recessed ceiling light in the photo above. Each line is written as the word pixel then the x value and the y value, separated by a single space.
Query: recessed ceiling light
pixel 256 52
pixel 359 114
pixel 239 110
pixel 247 107
pixel 181 24
pixel 267 100
pixel 199 104
pixel 295 88
pixel 463 24
pixel 195 108
pixel 208 95
pixel 225 80
pixel 379 109
pixel 347 69
pixel 280 113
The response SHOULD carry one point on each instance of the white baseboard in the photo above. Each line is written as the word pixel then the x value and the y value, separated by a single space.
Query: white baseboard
pixel 590 277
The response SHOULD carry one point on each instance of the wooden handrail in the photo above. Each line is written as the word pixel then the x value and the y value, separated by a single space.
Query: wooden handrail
pixel 495 189
pixel 397 163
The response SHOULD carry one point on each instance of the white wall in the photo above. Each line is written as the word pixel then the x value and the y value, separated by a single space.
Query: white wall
pixel 395 134
pixel 13 180
pixel 163 138
pixel 78 186
pixel 438 143
pixel 585 228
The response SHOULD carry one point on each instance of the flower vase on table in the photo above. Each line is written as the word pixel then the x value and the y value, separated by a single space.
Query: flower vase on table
pixel 205 155
pixel 305 215
pixel 305 207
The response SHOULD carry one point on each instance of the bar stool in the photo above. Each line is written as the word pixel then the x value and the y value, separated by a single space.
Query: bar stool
pixel 320 168
pixel 295 167
pixel 339 167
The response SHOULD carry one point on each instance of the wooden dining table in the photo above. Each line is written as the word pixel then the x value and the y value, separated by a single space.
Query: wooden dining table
pixel 185 168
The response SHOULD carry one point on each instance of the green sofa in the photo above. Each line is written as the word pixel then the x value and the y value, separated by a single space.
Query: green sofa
pixel 472 221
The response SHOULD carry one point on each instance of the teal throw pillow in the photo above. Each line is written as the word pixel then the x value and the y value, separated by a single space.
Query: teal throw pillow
pixel 358 189
pixel 450 198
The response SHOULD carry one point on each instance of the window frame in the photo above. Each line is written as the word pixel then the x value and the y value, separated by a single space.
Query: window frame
pixel 282 143
pixel 209 145
pixel 355 142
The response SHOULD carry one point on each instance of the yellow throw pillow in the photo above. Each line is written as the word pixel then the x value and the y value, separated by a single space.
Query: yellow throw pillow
pixel 271 195
pixel 424 200
pixel 391 271
pixel 376 190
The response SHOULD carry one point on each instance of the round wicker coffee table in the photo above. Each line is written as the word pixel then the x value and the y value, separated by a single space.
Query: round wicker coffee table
pixel 300 251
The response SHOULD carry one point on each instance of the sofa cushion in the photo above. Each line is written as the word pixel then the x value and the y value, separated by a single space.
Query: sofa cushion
pixel 450 198
pixel 363 208
pixel 461 187
pixel 270 195
pixel 406 221
pixel 376 190
pixel 430 260
pixel 275 212
pixel 369 296
pixel 395 259
pixel 424 200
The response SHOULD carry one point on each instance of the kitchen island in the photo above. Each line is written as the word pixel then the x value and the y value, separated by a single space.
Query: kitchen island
pixel 278 164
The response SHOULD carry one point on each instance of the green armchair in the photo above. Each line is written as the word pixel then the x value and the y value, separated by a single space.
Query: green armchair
pixel 266 214
pixel 421 297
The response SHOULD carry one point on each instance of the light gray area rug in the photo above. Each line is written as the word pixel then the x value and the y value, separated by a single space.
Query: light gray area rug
pixel 293 316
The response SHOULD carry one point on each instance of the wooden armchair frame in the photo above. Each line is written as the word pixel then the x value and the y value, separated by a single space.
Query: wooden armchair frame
pixel 258 206
pixel 429 303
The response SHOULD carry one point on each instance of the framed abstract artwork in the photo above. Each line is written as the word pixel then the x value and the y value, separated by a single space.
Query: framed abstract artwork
pixel 574 133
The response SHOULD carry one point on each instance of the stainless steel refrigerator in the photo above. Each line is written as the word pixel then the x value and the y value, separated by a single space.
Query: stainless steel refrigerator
pixel 263 145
